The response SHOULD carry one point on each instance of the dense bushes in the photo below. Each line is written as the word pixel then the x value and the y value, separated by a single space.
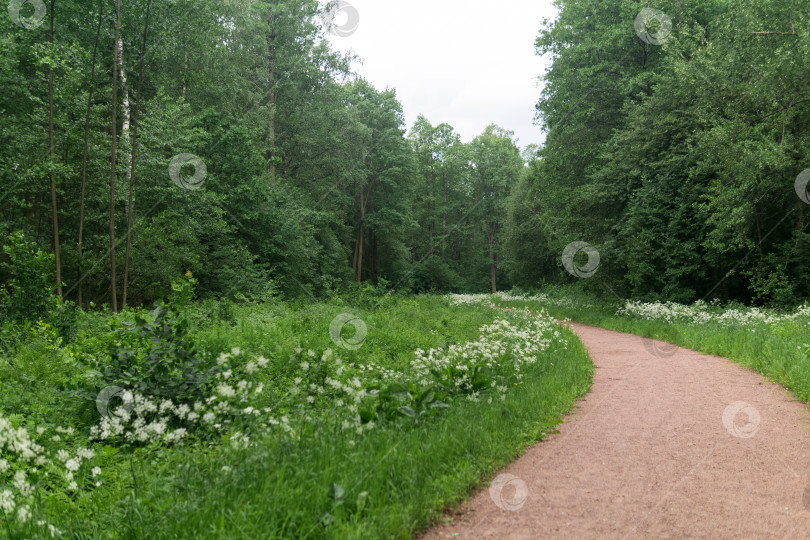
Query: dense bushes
pixel 28 301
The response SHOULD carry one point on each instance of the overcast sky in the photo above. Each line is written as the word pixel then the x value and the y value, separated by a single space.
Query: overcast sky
pixel 469 63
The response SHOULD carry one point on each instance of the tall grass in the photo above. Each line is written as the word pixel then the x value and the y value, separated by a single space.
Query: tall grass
pixel 325 482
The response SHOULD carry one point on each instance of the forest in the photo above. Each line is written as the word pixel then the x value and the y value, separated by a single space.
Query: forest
pixel 229 265
pixel 227 138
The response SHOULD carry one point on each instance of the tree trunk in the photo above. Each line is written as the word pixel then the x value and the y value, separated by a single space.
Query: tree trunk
pixel 491 241
pixel 444 213
pixel 125 124
pixel 185 73
pixel 116 53
pixel 799 227
pixel 431 225
pixel 131 200
pixel 54 209
pixel 354 259
pixel 373 261
pixel 84 150
pixel 359 268
pixel 271 94
pixel 361 232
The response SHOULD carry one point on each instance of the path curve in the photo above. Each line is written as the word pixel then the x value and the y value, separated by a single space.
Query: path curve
pixel 646 454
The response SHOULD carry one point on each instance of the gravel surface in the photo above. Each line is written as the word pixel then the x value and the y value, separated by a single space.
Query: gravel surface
pixel 670 443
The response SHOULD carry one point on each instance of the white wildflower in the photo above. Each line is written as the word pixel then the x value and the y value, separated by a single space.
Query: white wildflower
pixel 7 501
pixel 226 390
pixel 23 514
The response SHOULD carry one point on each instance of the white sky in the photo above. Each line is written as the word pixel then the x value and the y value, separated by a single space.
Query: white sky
pixel 469 63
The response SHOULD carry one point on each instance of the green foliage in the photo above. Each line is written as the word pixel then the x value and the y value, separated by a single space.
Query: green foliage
pixel 398 400
pixel 667 158
pixel 319 475
pixel 777 349
pixel 156 356
pixel 306 164
pixel 29 293
pixel 28 301
pixel 41 359
pixel 437 276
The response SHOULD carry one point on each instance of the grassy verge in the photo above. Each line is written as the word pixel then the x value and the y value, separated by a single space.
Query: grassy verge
pixel 776 349
pixel 320 479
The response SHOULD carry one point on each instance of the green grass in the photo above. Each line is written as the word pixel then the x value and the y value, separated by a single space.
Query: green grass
pixel 389 482
pixel 409 473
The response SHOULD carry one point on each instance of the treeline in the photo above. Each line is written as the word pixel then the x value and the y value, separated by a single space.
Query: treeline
pixel 140 140
pixel 677 134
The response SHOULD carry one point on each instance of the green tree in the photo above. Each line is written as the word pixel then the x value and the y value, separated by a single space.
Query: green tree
pixel 497 164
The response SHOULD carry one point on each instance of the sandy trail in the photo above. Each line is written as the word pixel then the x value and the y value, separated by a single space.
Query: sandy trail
pixel 656 450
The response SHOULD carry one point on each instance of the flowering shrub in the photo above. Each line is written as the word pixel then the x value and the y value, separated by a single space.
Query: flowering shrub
pixel 496 357
pixel 467 299
pixel 26 466
pixel 147 419
pixel 281 400
pixel 702 313
pixel 324 387
pixel 476 299
pixel 369 394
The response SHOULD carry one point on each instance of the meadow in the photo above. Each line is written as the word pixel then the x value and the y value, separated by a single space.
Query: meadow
pixel 363 416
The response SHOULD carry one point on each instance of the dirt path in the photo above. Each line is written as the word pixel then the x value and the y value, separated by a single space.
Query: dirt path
pixel 669 444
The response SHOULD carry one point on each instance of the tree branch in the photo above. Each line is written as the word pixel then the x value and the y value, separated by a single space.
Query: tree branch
pixel 792 27
pixel 777 111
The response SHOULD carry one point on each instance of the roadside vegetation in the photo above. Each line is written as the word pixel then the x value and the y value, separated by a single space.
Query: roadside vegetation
pixel 773 342
pixel 360 416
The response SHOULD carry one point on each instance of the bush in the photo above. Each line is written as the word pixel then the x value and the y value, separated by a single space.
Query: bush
pixel 434 275
pixel 155 356
pixel 368 295
pixel 29 293
pixel 28 298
